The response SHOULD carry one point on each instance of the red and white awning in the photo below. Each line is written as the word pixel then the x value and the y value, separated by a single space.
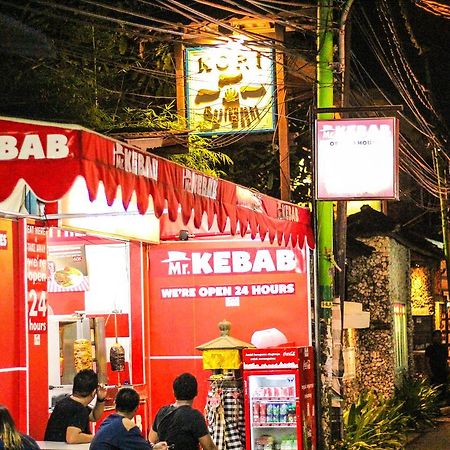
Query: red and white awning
pixel 50 156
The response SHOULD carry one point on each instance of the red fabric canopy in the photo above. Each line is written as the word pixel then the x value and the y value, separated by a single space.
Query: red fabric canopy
pixel 49 156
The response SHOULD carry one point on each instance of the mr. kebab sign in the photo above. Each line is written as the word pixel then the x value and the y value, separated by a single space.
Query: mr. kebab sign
pixel 230 88
pixel 357 159
pixel 253 271
pixel 254 285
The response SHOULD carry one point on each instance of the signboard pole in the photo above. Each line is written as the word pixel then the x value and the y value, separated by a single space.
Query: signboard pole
pixel 341 217
pixel 324 212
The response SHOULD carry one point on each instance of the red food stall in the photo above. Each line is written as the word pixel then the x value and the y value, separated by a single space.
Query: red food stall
pixel 165 317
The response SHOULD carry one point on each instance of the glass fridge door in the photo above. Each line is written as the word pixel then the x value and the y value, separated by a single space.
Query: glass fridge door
pixel 273 414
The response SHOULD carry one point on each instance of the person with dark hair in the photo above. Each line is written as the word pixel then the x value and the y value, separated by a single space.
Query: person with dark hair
pixel 179 424
pixel 118 431
pixel 69 421
pixel 437 363
pixel 10 437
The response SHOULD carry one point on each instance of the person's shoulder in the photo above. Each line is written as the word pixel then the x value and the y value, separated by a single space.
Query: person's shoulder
pixel 62 400
pixel 72 405
pixel 29 443
pixel 67 401
pixel 165 409
pixel 128 424
pixel 192 412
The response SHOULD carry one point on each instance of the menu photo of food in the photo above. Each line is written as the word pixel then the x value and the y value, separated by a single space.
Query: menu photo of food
pixel 67 269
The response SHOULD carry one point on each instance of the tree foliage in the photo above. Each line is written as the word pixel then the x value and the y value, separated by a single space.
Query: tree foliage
pixel 93 72
pixel 105 76
pixel 200 155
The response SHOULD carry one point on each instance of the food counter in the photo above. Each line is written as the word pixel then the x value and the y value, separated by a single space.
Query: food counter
pixel 49 445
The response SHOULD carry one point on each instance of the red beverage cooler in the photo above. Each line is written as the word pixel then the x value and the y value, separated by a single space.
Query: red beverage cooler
pixel 279 398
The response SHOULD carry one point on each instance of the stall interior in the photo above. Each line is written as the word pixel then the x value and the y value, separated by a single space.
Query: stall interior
pixel 81 344
pixel 89 310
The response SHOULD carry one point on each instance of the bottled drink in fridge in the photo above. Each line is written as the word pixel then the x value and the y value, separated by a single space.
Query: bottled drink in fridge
pixel 291 417
pixel 269 412
pixel 276 412
pixel 283 412
pixel 263 412
pixel 256 408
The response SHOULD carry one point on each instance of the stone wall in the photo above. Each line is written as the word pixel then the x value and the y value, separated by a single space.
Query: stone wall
pixel 377 281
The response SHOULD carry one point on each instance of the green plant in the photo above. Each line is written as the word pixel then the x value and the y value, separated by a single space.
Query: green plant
pixel 200 155
pixel 419 400
pixel 371 422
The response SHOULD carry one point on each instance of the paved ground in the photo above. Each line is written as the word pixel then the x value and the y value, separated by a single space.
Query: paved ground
pixel 435 439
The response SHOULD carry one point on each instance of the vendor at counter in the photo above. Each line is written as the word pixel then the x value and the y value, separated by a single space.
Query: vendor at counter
pixel 119 431
pixel 69 421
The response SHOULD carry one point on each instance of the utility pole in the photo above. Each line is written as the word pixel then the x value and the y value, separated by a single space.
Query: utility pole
pixel 341 220
pixel 324 233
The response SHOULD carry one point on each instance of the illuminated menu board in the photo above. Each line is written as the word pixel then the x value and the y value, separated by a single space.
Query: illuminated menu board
pixel 357 159
pixel 230 88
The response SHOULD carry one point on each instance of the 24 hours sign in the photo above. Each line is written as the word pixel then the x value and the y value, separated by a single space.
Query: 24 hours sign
pixel 230 272
pixel 36 270
pixel 254 285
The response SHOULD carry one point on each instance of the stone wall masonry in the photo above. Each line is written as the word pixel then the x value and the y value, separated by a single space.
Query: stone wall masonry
pixel 377 281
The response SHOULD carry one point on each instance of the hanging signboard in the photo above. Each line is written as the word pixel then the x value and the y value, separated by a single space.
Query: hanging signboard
pixel 356 159
pixel 230 88
pixel 67 269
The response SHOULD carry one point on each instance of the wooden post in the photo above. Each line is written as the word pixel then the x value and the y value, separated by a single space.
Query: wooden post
pixel 282 122
pixel 179 80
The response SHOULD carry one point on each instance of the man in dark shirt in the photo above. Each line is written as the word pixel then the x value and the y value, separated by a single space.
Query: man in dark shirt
pixel 437 362
pixel 118 431
pixel 69 421
pixel 179 424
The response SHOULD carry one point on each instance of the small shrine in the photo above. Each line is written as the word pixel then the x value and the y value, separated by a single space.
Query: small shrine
pixel 225 403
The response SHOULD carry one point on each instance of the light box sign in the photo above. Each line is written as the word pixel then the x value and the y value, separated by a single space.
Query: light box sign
pixel 255 286
pixel 36 280
pixel 356 159
pixel 230 88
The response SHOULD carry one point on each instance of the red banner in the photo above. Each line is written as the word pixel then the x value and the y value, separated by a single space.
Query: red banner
pixel 272 358
pixel 50 156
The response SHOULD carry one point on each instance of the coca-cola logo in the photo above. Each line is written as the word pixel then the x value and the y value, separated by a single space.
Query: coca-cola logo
pixel 233 261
